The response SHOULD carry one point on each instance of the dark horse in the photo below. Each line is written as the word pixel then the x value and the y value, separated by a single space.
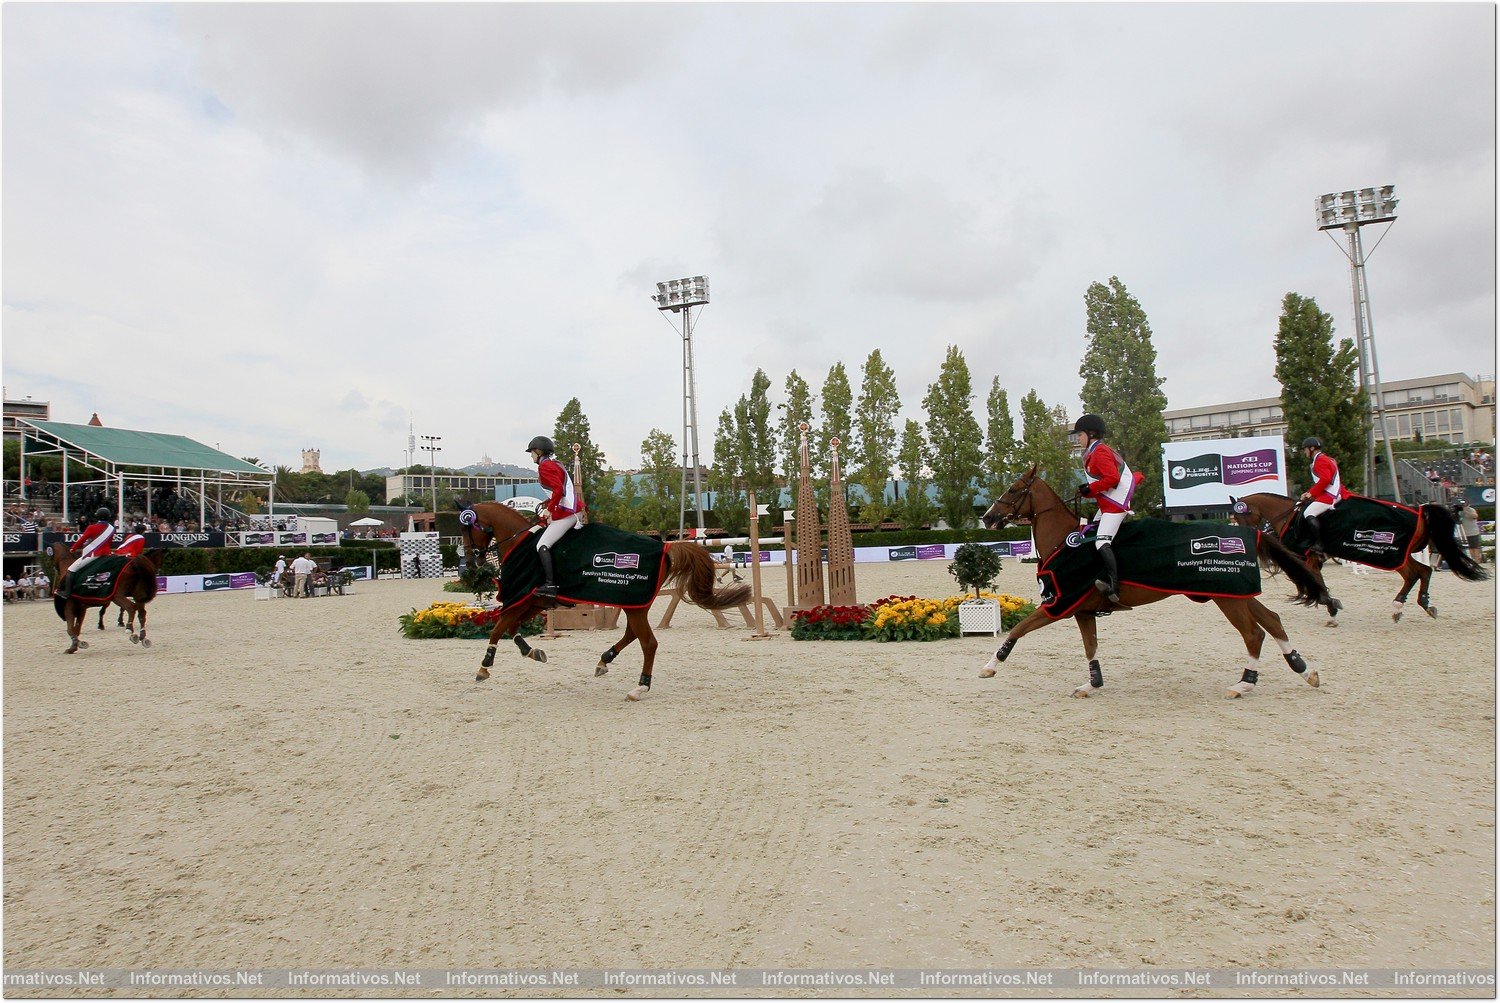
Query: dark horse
pixel 1435 526
pixel 689 564
pixel 1031 500
pixel 136 588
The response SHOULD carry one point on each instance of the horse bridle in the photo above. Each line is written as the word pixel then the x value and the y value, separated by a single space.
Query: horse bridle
pixel 1017 518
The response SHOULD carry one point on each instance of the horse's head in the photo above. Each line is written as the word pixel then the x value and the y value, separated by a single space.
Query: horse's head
pixel 475 533
pixel 1015 506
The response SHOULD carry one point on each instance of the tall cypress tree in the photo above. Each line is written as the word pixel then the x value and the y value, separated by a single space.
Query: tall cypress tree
pixel 875 449
pixel 1320 391
pixel 572 426
pixel 914 509
pixel 953 439
pixel 756 441
pixel 798 408
pixel 837 421
pixel 1000 441
pixel 725 477
pixel 1044 434
pixel 1121 386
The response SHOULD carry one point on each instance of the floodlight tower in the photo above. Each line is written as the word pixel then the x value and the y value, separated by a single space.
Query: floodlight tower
pixel 1348 211
pixel 680 296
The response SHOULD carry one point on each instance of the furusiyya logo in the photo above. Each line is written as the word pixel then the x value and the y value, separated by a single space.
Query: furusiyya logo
pixel 1374 536
pixel 617 560
pixel 1074 539
pixel 1217 545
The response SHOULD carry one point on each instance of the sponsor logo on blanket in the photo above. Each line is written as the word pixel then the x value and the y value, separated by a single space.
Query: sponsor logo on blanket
pixel 617 560
pixel 1074 539
pixel 1217 545
pixel 1374 536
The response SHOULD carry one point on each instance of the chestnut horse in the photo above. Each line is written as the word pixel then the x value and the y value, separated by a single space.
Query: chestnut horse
pixel 1270 513
pixel 1031 501
pixel 689 564
pixel 136 588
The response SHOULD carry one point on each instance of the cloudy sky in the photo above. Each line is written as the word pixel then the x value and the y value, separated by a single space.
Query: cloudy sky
pixel 278 226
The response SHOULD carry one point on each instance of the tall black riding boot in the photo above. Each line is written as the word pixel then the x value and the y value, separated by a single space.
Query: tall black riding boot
pixel 549 586
pixel 1109 583
pixel 1315 528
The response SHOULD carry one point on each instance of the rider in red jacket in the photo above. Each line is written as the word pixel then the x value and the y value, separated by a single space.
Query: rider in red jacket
pixel 1327 490
pixel 94 542
pixel 560 511
pixel 1111 484
pixel 133 545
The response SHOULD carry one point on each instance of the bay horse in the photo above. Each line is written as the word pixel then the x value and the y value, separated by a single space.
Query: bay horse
pixel 1270 513
pixel 136 588
pixel 1030 500
pixel 690 565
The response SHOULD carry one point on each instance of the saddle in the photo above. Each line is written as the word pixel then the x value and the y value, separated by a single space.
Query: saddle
pixel 1375 533
pixel 1201 560
pixel 595 563
pixel 95 584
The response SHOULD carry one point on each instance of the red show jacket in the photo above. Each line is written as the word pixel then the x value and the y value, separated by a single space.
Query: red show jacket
pixel 95 540
pixel 563 499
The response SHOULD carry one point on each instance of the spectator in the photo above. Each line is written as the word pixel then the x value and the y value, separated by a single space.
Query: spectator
pixel 729 561
pixel 302 569
pixel 10 589
pixel 1469 519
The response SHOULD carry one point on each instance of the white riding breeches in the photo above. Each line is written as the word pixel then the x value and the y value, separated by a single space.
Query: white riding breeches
pixel 555 530
pixel 1109 525
pixel 1315 508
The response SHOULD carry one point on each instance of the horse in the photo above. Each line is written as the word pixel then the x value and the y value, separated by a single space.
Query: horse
pixel 1030 500
pixel 1436 526
pixel 136 588
pixel 690 565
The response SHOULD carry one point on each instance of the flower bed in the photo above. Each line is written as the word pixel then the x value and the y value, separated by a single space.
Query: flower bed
pixel 899 618
pixel 451 619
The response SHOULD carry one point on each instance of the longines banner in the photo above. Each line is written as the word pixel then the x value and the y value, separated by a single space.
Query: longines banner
pixel 29 543
pixel 1206 472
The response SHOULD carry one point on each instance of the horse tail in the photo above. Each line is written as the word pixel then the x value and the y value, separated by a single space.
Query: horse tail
pixel 1310 588
pixel 693 567
pixel 1442 533
pixel 147 567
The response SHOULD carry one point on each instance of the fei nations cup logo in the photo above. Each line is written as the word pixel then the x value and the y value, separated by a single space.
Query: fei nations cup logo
pixel 1216 545
pixel 617 560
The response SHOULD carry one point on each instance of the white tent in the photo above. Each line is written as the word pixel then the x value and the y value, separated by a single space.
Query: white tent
pixel 367 521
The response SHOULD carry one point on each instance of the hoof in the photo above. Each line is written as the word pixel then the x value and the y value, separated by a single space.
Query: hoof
pixel 145 643
pixel 989 668
pixel 637 693
pixel 1083 692
pixel 1239 689
pixel 1312 678
pixel 537 655
pixel 69 651
pixel 1431 611
pixel 600 669
pixel 83 644
pixel 135 639
pixel 1396 616
pixel 481 676
pixel 1331 622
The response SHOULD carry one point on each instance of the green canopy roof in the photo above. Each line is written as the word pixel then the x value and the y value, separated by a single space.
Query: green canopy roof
pixel 129 448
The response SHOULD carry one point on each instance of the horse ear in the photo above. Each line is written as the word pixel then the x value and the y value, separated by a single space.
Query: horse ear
pixel 1032 471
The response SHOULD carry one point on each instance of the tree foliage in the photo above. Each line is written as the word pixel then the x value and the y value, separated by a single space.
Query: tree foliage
pixel 1044 442
pixel 660 484
pixel 798 408
pixel 1320 391
pixel 754 437
pixel 597 486
pixel 874 452
pixel 953 439
pixel 724 477
pixel 913 509
pixel 1120 383
pixel 1000 443
pixel 975 566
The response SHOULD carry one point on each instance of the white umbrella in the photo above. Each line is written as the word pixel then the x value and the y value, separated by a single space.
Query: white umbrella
pixel 367 521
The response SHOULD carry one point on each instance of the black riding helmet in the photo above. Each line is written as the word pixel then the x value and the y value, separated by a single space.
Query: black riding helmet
pixel 1312 442
pixel 1092 424
pixel 541 443
pixel 101 515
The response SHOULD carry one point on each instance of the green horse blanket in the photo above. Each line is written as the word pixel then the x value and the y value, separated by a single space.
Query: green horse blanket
pixel 594 564
pixel 94 585
pixel 1379 534
pixel 1201 560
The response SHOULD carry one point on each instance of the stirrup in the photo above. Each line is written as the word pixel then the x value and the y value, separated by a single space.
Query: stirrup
pixel 548 590
pixel 1110 590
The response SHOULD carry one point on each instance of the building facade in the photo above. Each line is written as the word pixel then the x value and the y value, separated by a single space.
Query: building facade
pixel 28 409
pixel 1452 408
pixel 478 487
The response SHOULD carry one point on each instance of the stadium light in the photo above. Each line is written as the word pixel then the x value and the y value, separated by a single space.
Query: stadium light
pixel 680 296
pixel 1348 211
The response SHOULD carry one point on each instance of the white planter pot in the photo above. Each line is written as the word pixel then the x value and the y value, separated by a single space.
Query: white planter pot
pixel 979 616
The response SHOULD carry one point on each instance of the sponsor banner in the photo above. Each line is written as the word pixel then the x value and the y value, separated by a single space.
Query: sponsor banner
pixel 901 553
pixel 1206 472
pixel 154 541
pixel 931 552
pixel 324 539
pixel 21 543
pixel 265 539
pixel 221 582
pixel 298 539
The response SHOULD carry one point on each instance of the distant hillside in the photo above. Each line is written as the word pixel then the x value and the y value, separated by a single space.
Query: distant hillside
pixel 499 470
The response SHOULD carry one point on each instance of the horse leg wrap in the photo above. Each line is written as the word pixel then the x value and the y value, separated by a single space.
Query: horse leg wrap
pixel 646 680
pixel 1096 674
pixel 1296 661
pixel 1004 652
pixel 489 657
pixel 608 656
pixel 521 643
pixel 1250 676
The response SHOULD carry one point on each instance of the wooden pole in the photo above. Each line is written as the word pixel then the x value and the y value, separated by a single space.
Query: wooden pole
pixel 755 598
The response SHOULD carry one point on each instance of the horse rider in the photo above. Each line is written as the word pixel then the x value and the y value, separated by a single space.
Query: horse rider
pixel 559 512
pixel 1111 484
pixel 1327 489
pixel 94 542
pixel 133 545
